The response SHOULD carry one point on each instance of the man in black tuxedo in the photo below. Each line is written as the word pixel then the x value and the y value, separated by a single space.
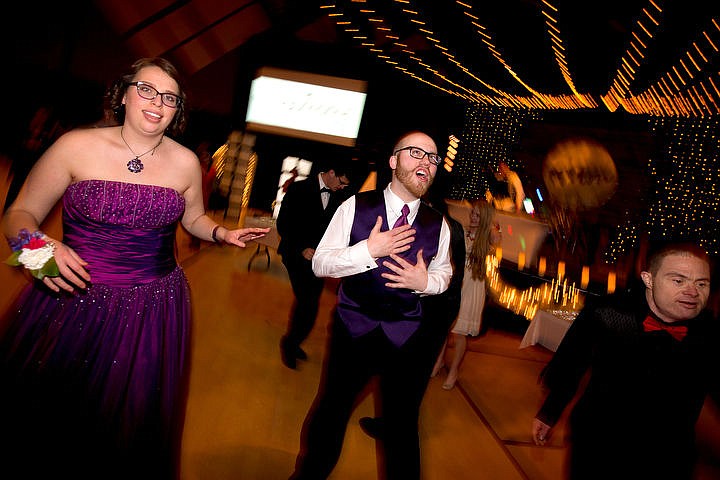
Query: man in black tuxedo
pixel 307 207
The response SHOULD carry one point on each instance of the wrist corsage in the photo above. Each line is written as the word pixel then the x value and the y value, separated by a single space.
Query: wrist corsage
pixel 33 252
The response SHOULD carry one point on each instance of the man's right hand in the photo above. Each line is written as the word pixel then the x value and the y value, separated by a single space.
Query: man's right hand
pixel 393 241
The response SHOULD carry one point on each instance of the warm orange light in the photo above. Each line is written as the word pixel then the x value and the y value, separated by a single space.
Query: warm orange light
pixel 611 282
pixel 521 260
pixel 585 279
pixel 561 270
pixel 541 266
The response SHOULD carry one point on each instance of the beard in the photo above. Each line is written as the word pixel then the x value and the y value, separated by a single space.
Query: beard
pixel 409 180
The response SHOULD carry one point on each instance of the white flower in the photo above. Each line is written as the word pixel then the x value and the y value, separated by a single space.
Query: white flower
pixel 37 258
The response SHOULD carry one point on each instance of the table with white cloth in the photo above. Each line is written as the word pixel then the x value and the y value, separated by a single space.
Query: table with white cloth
pixel 548 329
pixel 520 232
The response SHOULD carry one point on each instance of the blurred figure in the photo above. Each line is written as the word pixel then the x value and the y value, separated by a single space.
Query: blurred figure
pixel 516 193
pixel 482 235
pixel 208 181
pixel 208 170
pixel 385 271
pixel 94 360
pixel 306 210
pixel 652 357
pixel 293 175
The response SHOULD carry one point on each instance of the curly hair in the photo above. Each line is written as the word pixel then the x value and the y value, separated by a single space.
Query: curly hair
pixel 481 246
pixel 117 90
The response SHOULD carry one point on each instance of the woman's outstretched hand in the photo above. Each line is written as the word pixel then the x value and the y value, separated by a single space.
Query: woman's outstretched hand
pixel 241 236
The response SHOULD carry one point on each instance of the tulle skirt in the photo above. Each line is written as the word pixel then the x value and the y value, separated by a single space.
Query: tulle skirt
pixel 95 383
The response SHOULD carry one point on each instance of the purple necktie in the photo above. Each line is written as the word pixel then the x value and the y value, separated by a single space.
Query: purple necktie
pixel 403 218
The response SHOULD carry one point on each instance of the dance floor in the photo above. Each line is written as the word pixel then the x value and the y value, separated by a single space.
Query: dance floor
pixel 246 409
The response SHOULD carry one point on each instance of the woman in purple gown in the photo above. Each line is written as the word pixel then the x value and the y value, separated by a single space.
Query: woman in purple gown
pixel 94 358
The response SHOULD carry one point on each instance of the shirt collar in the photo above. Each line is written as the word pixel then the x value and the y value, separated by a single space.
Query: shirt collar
pixel 395 204
pixel 322 184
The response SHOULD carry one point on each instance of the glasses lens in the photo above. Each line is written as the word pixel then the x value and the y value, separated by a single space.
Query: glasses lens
pixel 420 153
pixel 170 99
pixel 417 153
pixel 146 91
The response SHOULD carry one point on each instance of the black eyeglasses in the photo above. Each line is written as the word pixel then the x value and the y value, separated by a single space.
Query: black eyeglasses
pixel 148 92
pixel 419 153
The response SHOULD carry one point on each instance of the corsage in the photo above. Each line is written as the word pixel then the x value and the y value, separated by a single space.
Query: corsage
pixel 33 252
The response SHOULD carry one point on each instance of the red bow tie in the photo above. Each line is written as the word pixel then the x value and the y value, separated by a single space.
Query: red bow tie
pixel 651 324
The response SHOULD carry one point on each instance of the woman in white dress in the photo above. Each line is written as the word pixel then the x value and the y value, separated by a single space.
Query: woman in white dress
pixel 481 236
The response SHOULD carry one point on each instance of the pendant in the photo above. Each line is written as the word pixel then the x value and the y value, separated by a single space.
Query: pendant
pixel 135 165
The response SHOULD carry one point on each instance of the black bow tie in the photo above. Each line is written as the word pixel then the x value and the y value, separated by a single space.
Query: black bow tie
pixel 325 189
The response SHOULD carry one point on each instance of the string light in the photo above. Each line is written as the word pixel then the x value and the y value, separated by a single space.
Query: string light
pixel 685 201
pixel 489 135
pixel 559 297
pixel 689 88
pixel 681 106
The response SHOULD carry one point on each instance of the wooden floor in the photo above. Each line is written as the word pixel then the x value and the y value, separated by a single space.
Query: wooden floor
pixel 246 409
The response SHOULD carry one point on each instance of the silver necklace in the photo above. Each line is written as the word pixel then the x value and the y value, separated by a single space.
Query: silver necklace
pixel 135 165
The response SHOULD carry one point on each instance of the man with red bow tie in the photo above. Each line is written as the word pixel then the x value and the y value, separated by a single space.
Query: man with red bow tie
pixel 651 359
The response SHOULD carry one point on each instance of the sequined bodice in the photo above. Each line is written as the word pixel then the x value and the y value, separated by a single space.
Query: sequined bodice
pixel 125 231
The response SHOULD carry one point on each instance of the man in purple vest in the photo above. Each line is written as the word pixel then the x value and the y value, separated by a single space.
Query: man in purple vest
pixel 385 271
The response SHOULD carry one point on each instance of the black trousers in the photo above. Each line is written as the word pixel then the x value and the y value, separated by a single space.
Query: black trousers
pixel 439 313
pixel 350 364
pixel 307 289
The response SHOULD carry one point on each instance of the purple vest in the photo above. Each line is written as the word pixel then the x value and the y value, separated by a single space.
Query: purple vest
pixel 364 302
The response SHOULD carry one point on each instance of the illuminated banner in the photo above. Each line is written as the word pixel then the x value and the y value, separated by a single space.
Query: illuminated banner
pixel 304 105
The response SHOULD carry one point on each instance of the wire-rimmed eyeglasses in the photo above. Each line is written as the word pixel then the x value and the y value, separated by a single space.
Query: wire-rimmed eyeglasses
pixel 419 153
pixel 148 92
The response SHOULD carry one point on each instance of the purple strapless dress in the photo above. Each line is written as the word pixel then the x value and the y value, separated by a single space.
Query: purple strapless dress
pixel 95 383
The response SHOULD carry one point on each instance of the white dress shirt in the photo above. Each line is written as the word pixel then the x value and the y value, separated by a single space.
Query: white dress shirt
pixel 334 258
pixel 324 196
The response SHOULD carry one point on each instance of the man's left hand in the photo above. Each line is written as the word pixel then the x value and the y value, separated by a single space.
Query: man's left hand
pixel 407 275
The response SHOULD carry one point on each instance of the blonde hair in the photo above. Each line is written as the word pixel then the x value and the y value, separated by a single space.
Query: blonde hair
pixel 481 246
